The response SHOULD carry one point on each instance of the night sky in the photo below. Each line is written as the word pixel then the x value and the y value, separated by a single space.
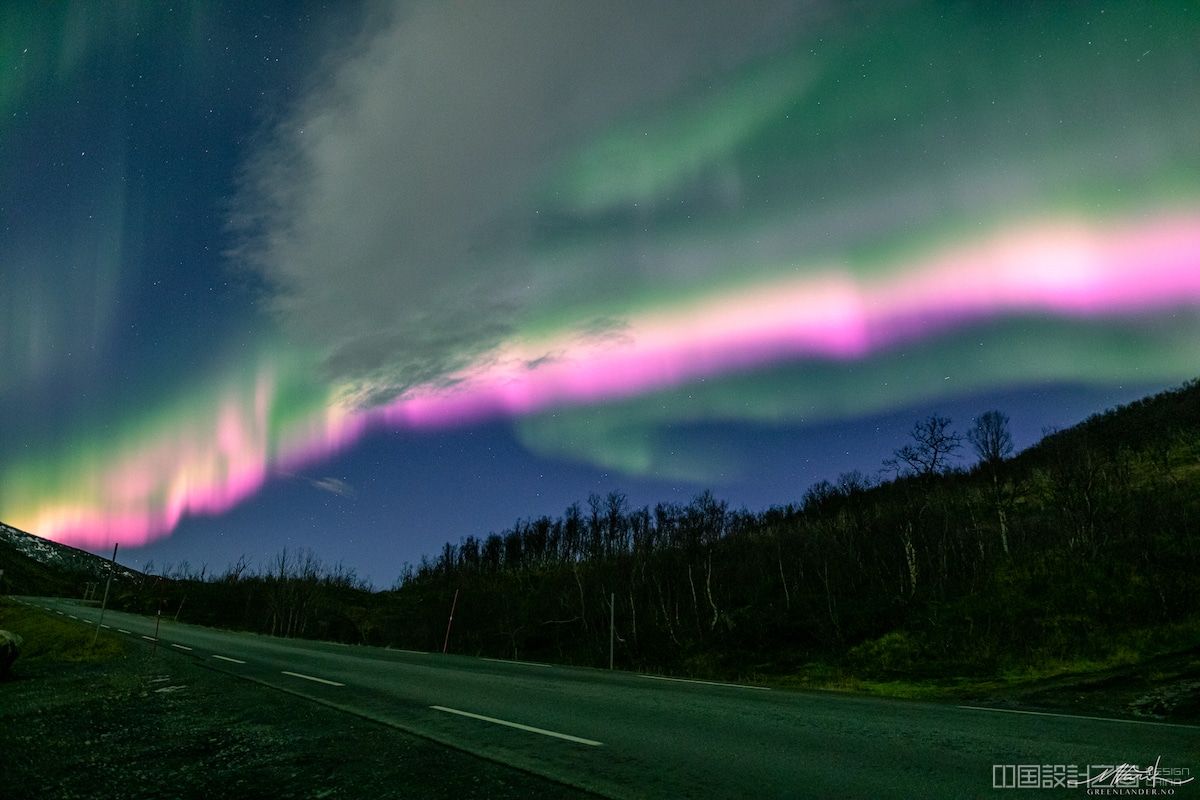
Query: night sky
pixel 367 278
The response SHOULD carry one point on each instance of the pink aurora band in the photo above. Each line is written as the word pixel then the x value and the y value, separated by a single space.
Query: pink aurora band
pixel 1060 268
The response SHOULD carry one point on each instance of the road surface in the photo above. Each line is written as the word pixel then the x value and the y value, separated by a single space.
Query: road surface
pixel 622 734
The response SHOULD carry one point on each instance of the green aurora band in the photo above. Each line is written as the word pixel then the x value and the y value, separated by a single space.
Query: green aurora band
pixel 860 151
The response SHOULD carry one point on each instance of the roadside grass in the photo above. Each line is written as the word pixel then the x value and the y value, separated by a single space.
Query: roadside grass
pixel 1138 651
pixel 51 639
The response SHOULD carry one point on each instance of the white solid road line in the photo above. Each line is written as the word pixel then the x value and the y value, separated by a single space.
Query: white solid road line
pixel 230 660
pixel 706 683
pixel 150 639
pixel 181 647
pixel 520 727
pixel 122 630
pixel 1080 716
pixel 514 661
pixel 311 678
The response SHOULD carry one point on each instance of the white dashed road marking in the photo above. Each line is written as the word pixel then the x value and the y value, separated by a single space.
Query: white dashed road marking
pixel 150 639
pixel 230 660
pixel 514 661
pixel 181 647
pixel 311 678
pixel 122 630
pixel 520 727
pixel 1078 716
pixel 706 683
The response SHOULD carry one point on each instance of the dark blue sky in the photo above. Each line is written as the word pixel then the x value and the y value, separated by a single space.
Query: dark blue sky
pixel 413 491
pixel 227 229
pixel 119 171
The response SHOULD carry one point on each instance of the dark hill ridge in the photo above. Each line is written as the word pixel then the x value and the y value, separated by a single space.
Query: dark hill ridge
pixel 1158 422
pixel 1169 420
pixel 1078 556
pixel 1080 551
pixel 33 565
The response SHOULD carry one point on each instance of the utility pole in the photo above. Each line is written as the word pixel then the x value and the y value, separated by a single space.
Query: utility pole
pixel 612 626
pixel 104 604
pixel 453 605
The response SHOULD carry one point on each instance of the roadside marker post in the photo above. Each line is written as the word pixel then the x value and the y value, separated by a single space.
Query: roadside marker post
pixel 453 605
pixel 612 625
pixel 162 600
pixel 107 584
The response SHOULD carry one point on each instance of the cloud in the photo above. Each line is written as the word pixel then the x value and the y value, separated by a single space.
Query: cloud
pixel 536 206
pixel 461 185
pixel 333 486
pixel 394 210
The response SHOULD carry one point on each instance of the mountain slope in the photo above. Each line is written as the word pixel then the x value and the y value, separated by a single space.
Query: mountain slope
pixel 33 565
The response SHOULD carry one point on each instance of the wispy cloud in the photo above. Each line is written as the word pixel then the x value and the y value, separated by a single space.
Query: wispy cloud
pixel 333 486
pixel 395 211
pixel 634 218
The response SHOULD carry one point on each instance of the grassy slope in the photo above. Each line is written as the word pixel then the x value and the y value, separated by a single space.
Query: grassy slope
pixel 1149 669
pixel 51 640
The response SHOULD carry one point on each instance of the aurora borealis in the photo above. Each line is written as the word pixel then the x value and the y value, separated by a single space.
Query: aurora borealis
pixel 584 232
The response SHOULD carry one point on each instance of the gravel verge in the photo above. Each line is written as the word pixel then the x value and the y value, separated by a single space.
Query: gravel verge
pixel 141 724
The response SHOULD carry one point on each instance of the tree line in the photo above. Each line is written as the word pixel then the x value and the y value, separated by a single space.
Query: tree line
pixel 933 567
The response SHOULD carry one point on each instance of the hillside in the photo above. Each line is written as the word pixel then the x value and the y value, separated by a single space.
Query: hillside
pixel 1164 425
pixel 1083 548
pixel 36 566
pixel 1077 556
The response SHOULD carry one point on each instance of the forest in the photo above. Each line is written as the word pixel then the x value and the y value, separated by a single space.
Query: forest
pixel 1080 549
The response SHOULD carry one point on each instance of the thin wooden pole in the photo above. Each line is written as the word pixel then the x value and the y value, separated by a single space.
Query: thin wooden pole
pixel 104 604
pixel 453 605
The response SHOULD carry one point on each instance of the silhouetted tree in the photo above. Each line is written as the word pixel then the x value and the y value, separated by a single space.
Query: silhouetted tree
pixel 990 437
pixel 992 442
pixel 853 482
pixel 933 443
pixel 971 571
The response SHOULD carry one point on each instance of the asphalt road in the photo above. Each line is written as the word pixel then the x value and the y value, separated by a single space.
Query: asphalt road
pixel 622 734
